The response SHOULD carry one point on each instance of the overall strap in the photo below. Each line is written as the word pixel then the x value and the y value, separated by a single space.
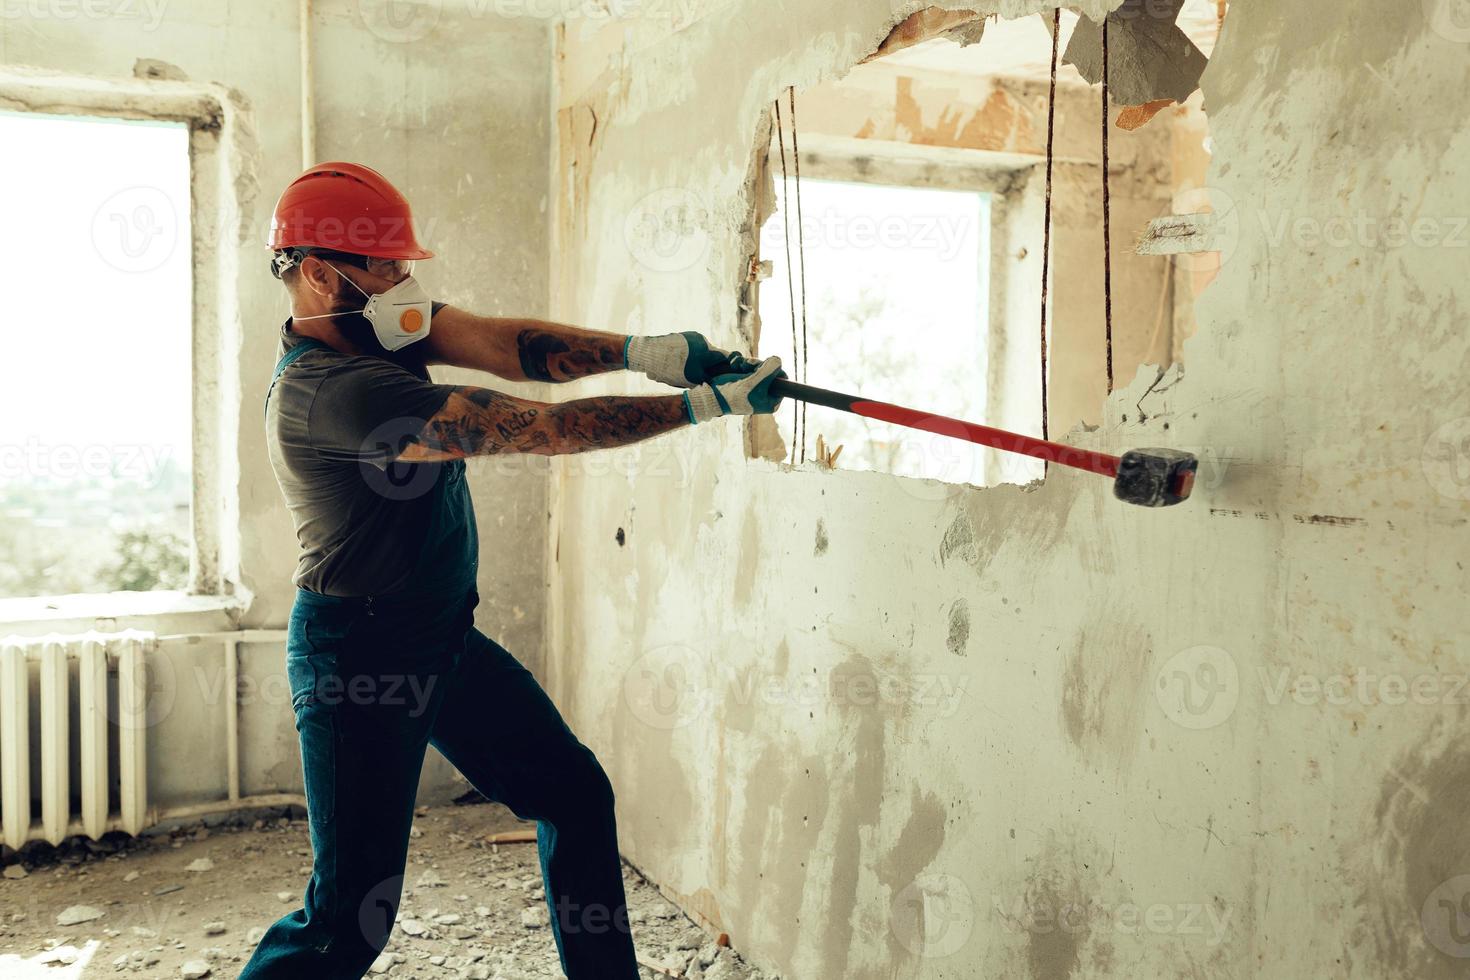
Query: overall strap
pixel 306 344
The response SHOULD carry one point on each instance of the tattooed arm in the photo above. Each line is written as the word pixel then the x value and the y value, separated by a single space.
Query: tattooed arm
pixel 481 422
pixel 520 349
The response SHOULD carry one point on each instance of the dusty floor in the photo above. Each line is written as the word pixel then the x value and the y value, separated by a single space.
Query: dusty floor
pixel 173 904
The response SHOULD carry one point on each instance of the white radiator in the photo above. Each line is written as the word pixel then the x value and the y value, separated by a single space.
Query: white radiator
pixel 103 661
pixel 111 721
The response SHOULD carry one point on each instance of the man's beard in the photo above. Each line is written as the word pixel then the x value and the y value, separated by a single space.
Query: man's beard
pixel 359 330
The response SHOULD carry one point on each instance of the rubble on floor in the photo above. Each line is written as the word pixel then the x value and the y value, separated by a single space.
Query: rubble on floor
pixel 193 902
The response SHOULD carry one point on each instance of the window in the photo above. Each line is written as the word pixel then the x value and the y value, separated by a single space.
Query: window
pixel 897 284
pixel 96 410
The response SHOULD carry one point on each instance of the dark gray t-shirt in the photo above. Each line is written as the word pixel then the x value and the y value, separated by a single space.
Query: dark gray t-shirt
pixel 367 526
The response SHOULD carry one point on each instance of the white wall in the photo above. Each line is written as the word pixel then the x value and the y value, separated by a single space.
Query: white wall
pixel 452 104
pixel 1034 750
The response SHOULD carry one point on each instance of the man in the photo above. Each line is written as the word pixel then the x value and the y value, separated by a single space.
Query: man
pixel 382 654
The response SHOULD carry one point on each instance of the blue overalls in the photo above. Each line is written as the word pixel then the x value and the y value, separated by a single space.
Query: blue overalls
pixel 376 679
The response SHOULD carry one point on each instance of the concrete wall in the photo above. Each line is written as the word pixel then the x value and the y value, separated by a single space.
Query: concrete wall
pixel 878 728
pixel 452 104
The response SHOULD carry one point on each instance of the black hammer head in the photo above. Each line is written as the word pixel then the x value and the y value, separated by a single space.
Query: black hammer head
pixel 1155 477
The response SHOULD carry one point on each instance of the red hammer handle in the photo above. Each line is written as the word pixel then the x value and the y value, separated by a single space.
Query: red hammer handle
pixel 984 435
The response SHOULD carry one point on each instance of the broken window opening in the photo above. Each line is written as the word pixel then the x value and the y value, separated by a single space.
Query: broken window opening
pixel 958 104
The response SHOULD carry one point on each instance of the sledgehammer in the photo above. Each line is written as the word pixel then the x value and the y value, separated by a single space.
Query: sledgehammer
pixel 1147 477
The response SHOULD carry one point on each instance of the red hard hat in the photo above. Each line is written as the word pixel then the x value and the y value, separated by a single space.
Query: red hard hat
pixel 345 207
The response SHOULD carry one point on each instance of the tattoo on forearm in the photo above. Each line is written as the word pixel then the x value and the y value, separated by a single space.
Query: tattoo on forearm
pixel 597 423
pixel 515 422
pixel 546 356
pixel 480 422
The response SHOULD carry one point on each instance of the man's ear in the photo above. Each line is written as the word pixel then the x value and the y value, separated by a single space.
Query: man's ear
pixel 318 276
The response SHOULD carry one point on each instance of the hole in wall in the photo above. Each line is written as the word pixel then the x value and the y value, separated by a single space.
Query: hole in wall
pixel 913 271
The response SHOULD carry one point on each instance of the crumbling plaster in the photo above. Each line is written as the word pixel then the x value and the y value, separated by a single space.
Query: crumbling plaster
pixel 1027 761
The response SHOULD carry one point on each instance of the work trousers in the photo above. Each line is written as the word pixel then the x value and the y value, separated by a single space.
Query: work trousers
pixel 373 683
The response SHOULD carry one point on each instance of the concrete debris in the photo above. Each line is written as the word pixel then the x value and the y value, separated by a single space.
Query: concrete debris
pixel 15 872
pixel 475 914
pixel 200 864
pixel 1149 57
pixel 60 956
pixel 75 914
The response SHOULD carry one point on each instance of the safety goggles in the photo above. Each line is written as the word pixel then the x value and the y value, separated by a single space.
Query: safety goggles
pixel 393 270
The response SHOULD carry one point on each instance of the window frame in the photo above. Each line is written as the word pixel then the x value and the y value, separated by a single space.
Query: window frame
pixel 210 114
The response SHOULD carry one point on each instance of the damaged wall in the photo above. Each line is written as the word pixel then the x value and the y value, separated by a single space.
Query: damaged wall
pixel 885 104
pixel 879 728
pixel 391 91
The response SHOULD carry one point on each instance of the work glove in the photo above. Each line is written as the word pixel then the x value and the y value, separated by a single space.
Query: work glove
pixel 679 359
pixel 736 394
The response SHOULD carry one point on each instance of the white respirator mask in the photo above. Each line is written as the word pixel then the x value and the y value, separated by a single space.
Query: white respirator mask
pixel 399 316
